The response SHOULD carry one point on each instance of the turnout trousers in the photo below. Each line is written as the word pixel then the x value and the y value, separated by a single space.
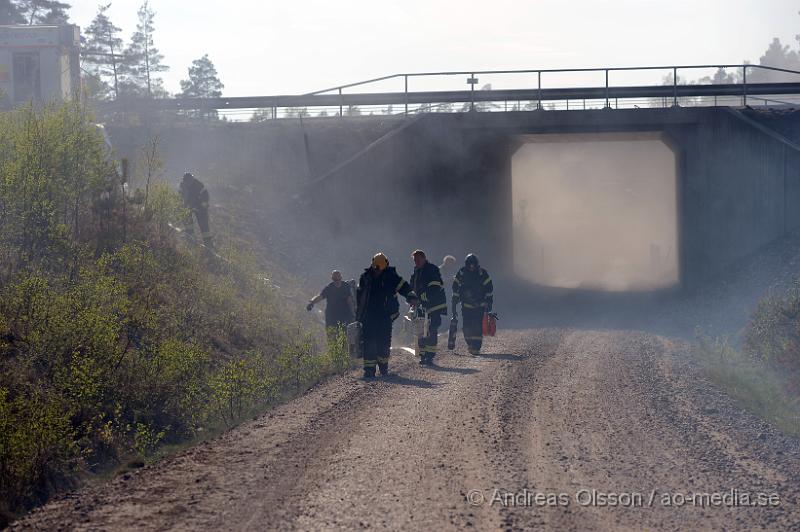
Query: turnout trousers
pixel 377 343
pixel 473 328
pixel 429 344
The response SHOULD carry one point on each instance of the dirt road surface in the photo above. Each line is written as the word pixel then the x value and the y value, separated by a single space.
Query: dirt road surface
pixel 549 429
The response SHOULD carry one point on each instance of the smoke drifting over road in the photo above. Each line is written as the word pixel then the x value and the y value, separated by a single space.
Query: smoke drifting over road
pixel 596 211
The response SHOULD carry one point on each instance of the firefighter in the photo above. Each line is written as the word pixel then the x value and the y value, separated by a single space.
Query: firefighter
pixel 426 282
pixel 473 288
pixel 376 310
pixel 195 198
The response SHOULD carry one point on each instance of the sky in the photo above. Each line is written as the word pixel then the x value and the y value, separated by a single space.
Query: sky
pixel 269 47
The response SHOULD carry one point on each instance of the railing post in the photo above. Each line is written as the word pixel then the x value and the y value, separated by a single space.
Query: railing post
pixel 472 92
pixel 341 103
pixel 675 87
pixel 607 101
pixel 405 91
pixel 539 105
pixel 744 86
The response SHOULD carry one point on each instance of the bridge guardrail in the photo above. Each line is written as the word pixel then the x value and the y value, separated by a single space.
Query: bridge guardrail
pixel 532 89
pixel 674 71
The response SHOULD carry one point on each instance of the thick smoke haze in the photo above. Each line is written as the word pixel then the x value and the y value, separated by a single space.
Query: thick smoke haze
pixel 596 212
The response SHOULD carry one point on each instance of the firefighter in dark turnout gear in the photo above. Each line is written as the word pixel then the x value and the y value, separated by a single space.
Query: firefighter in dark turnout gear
pixel 377 309
pixel 473 288
pixel 426 281
pixel 195 198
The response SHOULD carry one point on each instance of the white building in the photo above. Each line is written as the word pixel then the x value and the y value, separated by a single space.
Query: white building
pixel 39 64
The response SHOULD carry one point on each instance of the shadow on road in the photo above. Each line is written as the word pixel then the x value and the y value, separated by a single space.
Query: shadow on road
pixel 393 378
pixel 447 369
pixel 502 356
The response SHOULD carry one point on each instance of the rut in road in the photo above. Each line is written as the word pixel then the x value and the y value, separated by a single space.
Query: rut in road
pixel 555 412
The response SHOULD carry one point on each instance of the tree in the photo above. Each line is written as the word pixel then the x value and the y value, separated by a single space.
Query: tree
pixel 10 13
pixel 721 77
pixel 262 115
pixel 777 55
pixel 297 112
pixel 103 49
pixel 203 82
pixel 43 11
pixel 144 60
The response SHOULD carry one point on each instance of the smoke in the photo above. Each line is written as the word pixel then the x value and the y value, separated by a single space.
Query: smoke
pixel 596 211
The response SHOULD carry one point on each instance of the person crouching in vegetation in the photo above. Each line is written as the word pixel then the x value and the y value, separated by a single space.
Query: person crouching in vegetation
pixel 339 311
pixel 377 309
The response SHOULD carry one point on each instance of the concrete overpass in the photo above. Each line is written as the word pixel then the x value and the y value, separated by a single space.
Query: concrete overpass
pixel 445 181
pixel 448 178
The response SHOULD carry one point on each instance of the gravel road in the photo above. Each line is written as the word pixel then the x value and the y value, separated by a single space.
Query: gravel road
pixel 558 429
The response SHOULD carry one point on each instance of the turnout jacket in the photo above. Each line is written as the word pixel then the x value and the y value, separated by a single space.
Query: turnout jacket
pixel 377 295
pixel 473 289
pixel 194 193
pixel 427 285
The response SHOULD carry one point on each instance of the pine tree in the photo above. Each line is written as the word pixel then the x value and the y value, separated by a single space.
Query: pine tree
pixel 43 11
pixel 10 13
pixel 777 55
pixel 722 78
pixel 103 50
pixel 203 82
pixel 143 60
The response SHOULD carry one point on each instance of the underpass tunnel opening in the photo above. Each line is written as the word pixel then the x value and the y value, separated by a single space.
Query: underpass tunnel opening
pixel 596 211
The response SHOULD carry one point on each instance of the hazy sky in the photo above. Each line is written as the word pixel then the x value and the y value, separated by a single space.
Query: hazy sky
pixel 263 47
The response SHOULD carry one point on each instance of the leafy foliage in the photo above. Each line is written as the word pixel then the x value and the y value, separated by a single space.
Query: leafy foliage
pixel 773 335
pixel 116 336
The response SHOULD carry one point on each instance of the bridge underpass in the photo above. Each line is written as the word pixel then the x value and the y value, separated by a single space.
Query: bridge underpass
pixel 445 182
pixel 693 191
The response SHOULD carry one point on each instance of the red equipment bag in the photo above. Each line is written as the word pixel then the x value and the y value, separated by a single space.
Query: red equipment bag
pixel 489 324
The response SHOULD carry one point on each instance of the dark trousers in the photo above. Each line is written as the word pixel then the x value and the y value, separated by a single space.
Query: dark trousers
pixel 377 343
pixel 429 343
pixel 473 328
pixel 201 213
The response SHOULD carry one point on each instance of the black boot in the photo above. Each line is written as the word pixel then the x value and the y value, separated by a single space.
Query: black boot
pixel 384 368
pixel 369 373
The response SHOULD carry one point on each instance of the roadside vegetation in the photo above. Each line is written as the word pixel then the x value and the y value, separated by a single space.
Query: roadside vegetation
pixel 118 337
pixel 764 373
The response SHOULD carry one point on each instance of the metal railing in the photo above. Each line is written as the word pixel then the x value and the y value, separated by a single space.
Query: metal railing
pixel 530 89
pixel 472 80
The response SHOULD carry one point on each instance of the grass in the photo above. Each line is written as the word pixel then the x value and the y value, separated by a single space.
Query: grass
pixel 754 385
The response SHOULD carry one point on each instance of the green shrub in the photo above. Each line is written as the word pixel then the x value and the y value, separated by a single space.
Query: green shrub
pixel 773 334
pixel 116 336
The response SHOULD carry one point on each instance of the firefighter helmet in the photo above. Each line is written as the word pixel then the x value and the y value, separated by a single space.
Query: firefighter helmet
pixel 471 260
pixel 380 262
pixel 188 175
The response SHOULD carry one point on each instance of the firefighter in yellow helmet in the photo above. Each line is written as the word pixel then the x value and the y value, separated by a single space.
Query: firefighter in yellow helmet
pixel 377 307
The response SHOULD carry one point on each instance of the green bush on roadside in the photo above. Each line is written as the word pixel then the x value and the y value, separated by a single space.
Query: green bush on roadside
pixel 116 337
